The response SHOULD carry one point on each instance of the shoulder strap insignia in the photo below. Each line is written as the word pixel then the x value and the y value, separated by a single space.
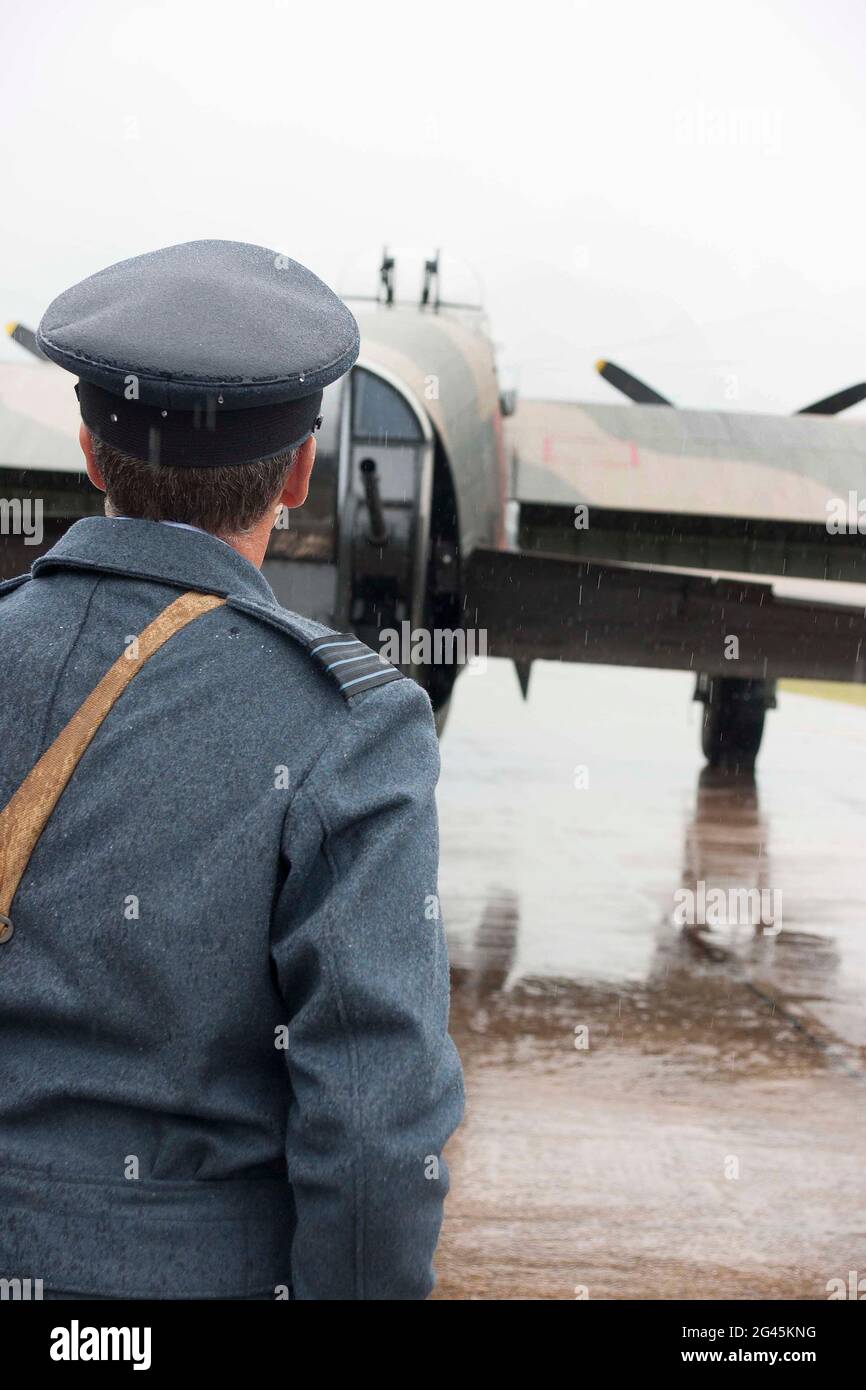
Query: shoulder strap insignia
pixel 348 663
pixel 352 667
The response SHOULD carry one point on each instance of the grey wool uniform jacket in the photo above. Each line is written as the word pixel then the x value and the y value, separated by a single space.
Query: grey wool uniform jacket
pixel 225 1069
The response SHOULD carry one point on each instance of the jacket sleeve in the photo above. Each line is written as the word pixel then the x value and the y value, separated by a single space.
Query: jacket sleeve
pixel 359 949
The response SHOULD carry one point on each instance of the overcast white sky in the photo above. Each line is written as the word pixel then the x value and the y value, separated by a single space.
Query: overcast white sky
pixel 675 185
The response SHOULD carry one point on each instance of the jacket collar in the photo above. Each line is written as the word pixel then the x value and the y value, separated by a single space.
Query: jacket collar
pixel 165 554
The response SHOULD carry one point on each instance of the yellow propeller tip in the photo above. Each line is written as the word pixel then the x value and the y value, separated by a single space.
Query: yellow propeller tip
pixel 10 327
pixel 600 364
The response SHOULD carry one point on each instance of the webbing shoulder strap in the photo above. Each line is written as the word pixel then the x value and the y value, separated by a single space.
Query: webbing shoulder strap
pixel 24 818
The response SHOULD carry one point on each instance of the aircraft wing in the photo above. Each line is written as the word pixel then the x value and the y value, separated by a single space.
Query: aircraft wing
pixel 697 489
pixel 647 535
pixel 647 459
pixel 544 607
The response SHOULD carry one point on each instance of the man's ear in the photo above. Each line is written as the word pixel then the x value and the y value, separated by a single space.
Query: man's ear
pixel 85 439
pixel 294 494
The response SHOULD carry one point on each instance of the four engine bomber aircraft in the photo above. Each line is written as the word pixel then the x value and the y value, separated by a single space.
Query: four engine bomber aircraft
pixel 632 535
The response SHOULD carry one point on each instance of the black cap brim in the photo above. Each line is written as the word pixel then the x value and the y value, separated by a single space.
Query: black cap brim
pixel 208 436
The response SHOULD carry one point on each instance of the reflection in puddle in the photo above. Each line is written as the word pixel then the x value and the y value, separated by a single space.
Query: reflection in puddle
pixel 652 1112
pixel 733 993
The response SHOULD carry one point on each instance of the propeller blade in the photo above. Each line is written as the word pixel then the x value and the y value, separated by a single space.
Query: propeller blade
pixel 831 405
pixel 631 386
pixel 26 338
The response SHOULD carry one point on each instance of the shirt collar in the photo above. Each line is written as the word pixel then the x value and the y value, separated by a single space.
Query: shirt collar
pixel 181 526
pixel 186 557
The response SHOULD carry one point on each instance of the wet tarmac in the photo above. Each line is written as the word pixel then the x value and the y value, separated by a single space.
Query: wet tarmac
pixel 654 1110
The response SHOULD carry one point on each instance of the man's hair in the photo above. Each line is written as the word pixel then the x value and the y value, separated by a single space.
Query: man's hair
pixel 221 500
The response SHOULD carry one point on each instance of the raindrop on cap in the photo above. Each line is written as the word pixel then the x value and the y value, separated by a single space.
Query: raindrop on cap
pixel 301 377
pixel 164 413
pixel 220 398
pixel 113 418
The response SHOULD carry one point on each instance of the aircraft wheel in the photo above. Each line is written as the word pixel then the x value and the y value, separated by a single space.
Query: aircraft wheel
pixel 733 722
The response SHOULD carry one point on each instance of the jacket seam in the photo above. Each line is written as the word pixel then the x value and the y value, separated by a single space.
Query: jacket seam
pixel 42 566
pixel 359 1175
pixel 52 699
pixel 181 1186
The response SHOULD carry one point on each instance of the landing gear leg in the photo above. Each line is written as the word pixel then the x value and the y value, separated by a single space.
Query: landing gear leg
pixel 733 721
